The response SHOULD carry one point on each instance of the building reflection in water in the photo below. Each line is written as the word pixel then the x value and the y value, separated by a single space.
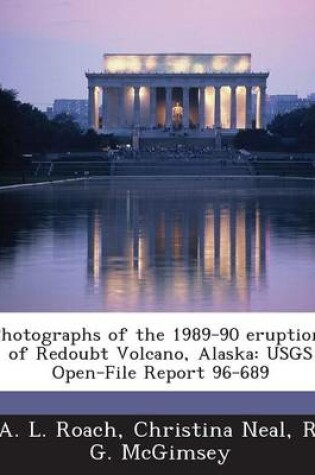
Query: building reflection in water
pixel 97 249
pixel 168 256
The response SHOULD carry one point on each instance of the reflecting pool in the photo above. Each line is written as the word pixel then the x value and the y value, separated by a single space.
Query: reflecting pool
pixel 159 244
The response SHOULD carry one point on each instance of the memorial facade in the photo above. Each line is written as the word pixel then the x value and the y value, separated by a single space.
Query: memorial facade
pixel 201 92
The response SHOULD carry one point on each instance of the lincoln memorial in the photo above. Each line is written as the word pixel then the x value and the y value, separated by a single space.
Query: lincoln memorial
pixel 183 92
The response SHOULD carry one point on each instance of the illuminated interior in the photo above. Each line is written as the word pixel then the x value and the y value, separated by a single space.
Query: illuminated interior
pixel 177 115
pixel 225 107
pixel 144 93
pixel 177 63
pixel 241 107
pixel 209 106
pixel 120 102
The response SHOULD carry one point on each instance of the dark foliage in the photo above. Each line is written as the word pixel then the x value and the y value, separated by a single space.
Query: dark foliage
pixel 253 139
pixel 294 131
pixel 26 130
pixel 299 125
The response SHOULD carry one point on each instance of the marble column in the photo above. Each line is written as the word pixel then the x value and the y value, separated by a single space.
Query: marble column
pixel 92 123
pixel 153 107
pixel 136 106
pixel 97 103
pixel 186 107
pixel 248 107
pixel 263 107
pixel 168 107
pixel 202 107
pixel 217 106
pixel 104 107
pixel 233 108
pixel 121 107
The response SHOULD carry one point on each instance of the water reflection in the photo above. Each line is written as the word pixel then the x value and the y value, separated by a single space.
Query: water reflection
pixel 194 244
pixel 177 254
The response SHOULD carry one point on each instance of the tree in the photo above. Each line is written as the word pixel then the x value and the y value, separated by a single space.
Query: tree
pixel 36 131
pixel 26 130
pixel 66 133
pixel 293 131
pixel 9 124
pixel 298 124
pixel 256 139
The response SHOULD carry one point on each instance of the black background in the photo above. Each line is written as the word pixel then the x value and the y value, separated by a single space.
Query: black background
pixel 71 455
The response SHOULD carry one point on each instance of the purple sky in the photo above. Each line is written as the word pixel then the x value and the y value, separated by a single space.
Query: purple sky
pixel 46 45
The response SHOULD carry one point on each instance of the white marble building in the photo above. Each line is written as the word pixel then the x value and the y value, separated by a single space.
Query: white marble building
pixel 199 92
